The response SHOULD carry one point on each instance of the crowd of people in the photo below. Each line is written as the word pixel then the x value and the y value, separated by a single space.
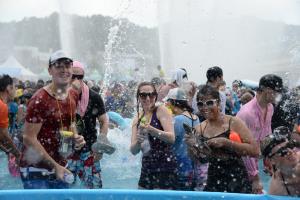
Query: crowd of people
pixel 193 138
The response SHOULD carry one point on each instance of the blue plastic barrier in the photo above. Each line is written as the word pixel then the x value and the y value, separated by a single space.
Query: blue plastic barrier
pixel 105 194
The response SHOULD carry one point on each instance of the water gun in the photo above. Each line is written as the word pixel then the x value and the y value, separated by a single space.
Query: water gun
pixel 143 121
pixel 235 137
pixel 66 133
pixel 169 108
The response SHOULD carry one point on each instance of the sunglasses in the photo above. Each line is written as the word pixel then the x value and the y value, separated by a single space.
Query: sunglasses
pixel 77 76
pixel 208 103
pixel 63 64
pixel 283 151
pixel 151 95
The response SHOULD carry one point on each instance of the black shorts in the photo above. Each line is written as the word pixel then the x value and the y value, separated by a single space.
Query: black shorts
pixel 158 180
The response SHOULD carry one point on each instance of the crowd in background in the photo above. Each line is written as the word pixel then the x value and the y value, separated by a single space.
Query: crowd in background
pixel 193 137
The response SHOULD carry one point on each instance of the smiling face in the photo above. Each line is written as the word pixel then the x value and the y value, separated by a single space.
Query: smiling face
pixel 208 106
pixel 61 72
pixel 147 97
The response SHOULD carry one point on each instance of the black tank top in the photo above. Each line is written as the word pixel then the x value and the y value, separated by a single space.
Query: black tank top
pixel 228 174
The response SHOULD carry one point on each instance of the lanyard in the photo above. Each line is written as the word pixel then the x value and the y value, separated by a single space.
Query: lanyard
pixel 60 114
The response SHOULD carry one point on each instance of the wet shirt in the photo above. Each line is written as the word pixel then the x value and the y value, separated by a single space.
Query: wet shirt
pixel 185 164
pixel 45 109
pixel 3 115
pixel 87 124
pixel 251 113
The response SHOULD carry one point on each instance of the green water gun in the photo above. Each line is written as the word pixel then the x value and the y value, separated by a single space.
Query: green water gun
pixel 143 121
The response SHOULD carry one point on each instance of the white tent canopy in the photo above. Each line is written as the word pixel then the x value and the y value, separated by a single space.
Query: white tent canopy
pixel 13 68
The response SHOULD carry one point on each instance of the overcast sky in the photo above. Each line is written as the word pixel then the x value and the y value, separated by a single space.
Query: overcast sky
pixel 144 12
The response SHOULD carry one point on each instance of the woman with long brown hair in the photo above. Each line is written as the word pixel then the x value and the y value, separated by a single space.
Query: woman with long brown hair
pixel 153 134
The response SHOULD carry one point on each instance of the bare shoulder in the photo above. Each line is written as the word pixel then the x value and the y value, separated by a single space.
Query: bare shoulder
pixel 162 110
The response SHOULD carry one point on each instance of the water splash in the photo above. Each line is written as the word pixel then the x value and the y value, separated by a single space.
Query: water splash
pixel 112 43
pixel 121 169
pixel 112 37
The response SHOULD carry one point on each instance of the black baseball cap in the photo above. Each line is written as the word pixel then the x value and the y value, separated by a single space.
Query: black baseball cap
pixel 271 81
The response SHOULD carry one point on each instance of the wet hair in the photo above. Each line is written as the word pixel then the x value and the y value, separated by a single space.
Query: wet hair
pixel 207 90
pixel 5 80
pixel 145 83
pixel 181 104
pixel 213 73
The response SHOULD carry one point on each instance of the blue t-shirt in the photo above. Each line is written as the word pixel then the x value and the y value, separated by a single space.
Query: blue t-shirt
pixel 180 147
pixel 13 107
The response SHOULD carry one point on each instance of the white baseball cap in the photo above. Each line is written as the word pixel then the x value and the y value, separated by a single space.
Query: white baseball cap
pixel 57 55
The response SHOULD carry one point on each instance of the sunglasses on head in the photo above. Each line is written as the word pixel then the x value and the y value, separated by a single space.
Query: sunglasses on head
pixel 283 151
pixel 208 103
pixel 63 64
pixel 77 76
pixel 144 95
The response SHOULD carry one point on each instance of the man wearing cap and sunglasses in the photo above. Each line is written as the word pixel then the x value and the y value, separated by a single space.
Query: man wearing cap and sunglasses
pixel 257 114
pixel 281 155
pixel 49 119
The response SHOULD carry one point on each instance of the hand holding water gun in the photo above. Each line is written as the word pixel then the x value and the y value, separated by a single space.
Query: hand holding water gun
pixel 145 128
pixel 197 146
pixel 143 121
